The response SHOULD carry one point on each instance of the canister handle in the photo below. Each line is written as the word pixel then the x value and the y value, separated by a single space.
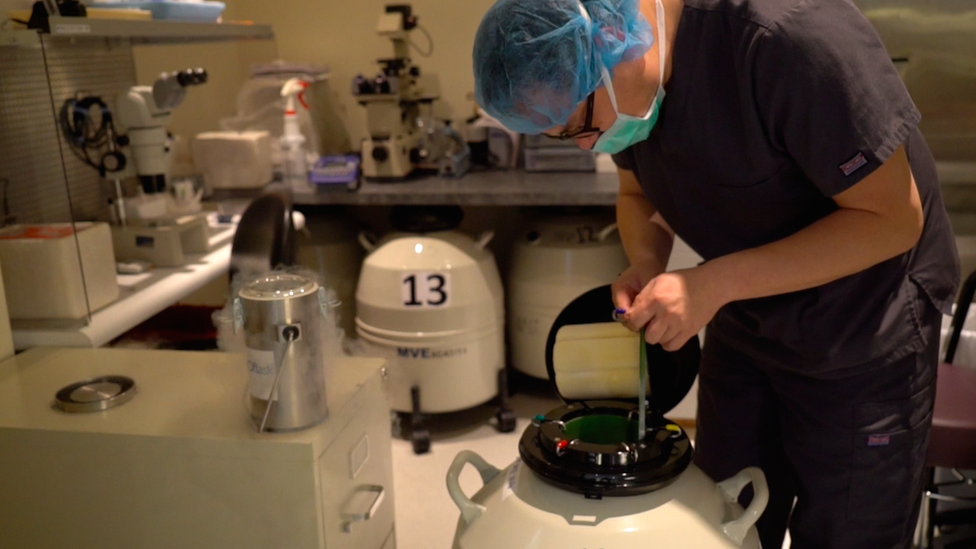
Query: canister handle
pixel 737 529
pixel 606 231
pixel 367 241
pixel 327 301
pixel 470 511
pixel 238 313
pixel 483 239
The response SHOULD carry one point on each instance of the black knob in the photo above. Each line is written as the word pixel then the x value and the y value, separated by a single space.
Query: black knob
pixel 417 155
pixel 191 77
pixel 415 71
pixel 380 154
pixel 361 86
pixel 381 84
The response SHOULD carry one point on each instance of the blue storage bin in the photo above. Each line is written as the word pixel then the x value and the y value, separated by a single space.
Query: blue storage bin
pixel 202 12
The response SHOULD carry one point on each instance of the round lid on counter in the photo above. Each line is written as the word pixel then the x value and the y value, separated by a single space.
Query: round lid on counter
pixel 278 286
pixel 96 394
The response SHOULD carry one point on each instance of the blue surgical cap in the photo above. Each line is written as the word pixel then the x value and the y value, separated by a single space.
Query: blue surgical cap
pixel 536 60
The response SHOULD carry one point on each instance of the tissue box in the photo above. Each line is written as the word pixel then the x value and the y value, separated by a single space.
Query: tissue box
pixel 233 160
pixel 41 274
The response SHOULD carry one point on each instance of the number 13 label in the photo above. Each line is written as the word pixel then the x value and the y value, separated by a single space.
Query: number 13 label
pixel 425 289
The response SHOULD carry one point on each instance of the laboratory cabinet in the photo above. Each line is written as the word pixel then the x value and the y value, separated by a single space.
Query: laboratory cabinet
pixel 180 464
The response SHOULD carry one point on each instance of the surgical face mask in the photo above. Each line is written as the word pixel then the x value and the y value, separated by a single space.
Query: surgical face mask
pixel 628 129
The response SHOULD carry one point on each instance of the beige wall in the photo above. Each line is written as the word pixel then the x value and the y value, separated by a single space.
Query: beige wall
pixel 342 34
pixel 228 65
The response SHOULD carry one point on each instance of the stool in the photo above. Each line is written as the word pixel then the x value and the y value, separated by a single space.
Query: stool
pixel 952 443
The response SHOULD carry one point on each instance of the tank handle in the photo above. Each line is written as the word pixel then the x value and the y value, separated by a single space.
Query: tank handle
pixel 327 301
pixel 737 529
pixel 238 315
pixel 367 241
pixel 470 511
pixel 483 239
pixel 606 231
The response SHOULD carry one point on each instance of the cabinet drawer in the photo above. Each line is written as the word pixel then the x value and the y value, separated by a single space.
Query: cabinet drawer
pixel 357 477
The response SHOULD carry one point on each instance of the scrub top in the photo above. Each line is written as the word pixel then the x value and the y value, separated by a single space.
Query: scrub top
pixel 774 107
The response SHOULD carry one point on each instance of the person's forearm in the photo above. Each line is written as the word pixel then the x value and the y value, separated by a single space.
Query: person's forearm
pixel 840 244
pixel 646 239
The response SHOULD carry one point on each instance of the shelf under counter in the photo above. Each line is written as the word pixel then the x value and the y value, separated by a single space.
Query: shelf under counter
pixel 141 297
pixel 139 32
pixel 489 188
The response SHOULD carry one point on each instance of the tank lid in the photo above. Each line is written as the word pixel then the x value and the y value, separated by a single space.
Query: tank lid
pixel 594 449
pixel 426 219
pixel 583 327
pixel 278 286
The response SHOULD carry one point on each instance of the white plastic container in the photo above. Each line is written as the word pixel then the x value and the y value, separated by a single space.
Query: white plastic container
pixel 432 303
pixel 234 160
pixel 554 260
pixel 42 270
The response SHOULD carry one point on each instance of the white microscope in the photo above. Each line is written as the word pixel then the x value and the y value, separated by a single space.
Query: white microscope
pixel 396 142
pixel 153 229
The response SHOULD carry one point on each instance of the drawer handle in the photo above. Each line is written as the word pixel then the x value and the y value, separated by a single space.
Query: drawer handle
pixel 350 518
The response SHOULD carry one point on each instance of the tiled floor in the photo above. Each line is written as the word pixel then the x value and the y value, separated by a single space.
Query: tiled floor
pixel 425 515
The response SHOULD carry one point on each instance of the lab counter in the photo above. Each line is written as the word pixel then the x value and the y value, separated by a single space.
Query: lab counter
pixel 141 296
pixel 487 188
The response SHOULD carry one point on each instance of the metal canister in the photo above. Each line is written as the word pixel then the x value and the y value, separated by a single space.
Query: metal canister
pixel 284 316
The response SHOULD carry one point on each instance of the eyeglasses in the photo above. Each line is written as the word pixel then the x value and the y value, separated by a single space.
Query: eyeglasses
pixel 585 131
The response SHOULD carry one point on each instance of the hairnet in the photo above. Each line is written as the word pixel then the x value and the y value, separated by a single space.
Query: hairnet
pixel 535 60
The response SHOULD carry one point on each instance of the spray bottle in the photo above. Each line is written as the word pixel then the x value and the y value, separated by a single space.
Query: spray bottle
pixel 293 142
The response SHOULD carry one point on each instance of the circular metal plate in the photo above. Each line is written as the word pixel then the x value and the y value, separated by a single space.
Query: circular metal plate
pixel 97 394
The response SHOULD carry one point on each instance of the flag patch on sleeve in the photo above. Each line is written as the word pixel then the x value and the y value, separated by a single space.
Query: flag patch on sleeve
pixel 852 165
pixel 879 440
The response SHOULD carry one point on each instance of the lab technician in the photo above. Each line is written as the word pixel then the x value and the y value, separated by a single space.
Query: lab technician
pixel 776 138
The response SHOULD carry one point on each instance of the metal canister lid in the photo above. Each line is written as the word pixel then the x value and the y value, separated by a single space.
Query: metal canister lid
pixel 277 286
pixel 96 394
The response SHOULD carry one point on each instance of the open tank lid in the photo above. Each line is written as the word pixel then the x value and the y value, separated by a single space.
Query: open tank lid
pixel 426 219
pixel 670 374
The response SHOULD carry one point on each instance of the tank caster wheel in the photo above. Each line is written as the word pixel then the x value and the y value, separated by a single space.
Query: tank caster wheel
pixel 419 434
pixel 506 421
pixel 420 439
pixel 505 416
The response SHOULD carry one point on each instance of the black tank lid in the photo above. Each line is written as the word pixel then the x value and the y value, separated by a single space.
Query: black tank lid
pixel 426 219
pixel 593 447
pixel 670 374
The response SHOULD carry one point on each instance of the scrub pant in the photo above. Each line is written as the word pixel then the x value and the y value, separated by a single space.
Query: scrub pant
pixel 850 447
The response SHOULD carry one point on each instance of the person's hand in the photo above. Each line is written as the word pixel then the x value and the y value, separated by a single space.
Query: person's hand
pixel 630 283
pixel 673 306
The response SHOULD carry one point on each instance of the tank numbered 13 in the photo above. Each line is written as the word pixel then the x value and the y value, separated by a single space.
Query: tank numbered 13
pixel 425 289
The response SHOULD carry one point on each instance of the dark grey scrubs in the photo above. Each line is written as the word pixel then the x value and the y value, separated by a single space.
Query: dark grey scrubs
pixel 774 107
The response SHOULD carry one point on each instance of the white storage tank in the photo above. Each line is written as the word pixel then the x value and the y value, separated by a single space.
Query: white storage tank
pixel 430 299
pixel 556 257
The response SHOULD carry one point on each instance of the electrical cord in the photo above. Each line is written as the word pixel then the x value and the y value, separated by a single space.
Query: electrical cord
pixel 430 43
pixel 85 138
pixel 7 218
